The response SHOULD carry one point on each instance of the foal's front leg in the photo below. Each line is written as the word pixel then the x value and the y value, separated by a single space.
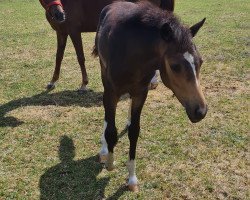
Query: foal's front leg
pixel 133 133
pixel 109 137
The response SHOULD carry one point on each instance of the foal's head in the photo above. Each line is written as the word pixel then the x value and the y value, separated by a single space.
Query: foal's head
pixel 181 67
pixel 55 9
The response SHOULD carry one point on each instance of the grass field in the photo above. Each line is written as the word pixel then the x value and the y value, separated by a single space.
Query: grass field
pixel 49 141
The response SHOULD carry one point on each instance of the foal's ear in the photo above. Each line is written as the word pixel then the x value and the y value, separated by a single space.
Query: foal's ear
pixel 167 5
pixel 195 28
pixel 166 32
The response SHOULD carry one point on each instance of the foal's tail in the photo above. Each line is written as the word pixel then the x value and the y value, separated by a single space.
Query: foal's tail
pixel 95 52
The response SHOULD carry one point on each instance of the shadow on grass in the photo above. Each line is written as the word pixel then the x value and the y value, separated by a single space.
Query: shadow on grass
pixel 64 98
pixel 72 179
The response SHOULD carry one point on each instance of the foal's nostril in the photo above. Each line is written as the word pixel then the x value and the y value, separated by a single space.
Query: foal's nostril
pixel 200 112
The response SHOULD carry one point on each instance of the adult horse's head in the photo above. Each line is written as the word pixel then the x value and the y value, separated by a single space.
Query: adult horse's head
pixel 54 9
pixel 181 67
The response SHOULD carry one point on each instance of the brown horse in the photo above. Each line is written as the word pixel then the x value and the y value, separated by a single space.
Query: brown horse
pixel 71 18
pixel 131 45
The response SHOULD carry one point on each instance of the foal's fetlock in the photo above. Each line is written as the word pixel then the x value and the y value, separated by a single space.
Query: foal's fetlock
pixel 109 164
pixel 103 158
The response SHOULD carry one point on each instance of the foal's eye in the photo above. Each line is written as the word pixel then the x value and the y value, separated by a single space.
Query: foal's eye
pixel 176 68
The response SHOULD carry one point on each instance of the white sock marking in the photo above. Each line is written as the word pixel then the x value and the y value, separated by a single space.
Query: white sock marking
pixel 154 80
pixel 131 170
pixel 104 149
pixel 190 59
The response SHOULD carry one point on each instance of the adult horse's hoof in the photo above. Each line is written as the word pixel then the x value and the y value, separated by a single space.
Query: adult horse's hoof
pixel 133 188
pixel 103 158
pixel 83 90
pixel 50 86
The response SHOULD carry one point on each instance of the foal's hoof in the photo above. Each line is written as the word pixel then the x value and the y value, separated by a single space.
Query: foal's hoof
pixel 103 158
pixel 50 86
pixel 133 188
pixel 109 167
pixel 152 86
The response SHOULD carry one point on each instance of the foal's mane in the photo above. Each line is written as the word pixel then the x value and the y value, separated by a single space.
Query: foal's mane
pixel 152 16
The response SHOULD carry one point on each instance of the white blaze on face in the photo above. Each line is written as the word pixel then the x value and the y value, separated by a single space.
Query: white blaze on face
pixel 189 57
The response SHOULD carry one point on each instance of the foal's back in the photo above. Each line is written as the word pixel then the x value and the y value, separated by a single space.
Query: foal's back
pixel 127 41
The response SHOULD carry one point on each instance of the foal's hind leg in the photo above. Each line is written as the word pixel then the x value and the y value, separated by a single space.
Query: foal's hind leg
pixel 77 42
pixel 61 43
pixel 109 137
pixel 154 81
pixel 133 134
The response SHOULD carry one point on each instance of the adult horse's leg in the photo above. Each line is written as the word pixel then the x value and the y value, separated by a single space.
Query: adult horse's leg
pixel 77 42
pixel 61 43
pixel 133 134
pixel 109 137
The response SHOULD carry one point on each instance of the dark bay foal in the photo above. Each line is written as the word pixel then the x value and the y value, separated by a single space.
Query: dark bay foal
pixel 132 41
pixel 71 18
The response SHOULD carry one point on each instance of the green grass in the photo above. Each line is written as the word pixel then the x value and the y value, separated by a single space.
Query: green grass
pixel 175 159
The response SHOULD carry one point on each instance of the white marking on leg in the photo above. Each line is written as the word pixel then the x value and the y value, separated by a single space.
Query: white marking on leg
pixel 104 149
pixel 154 80
pixel 189 57
pixel 131 170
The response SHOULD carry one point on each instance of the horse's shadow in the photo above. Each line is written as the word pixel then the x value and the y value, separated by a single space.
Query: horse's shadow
pixel 64 98
pixel 72 179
